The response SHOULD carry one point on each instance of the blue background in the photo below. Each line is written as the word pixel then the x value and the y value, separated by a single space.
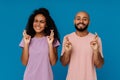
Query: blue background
pixel 105 20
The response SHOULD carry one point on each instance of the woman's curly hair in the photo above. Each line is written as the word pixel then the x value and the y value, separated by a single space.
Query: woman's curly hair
pixel 49 23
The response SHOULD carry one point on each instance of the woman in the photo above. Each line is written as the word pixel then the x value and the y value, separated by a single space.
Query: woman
pixel 39 46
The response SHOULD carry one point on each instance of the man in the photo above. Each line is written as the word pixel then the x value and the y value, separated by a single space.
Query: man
pixel 82 50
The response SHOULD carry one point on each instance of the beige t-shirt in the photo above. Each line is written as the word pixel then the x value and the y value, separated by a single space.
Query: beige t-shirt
pixel 81 66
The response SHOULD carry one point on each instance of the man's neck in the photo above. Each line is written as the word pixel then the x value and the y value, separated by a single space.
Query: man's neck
pixel 82 34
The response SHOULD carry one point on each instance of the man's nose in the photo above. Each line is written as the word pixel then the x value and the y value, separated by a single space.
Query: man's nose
pixel 81 21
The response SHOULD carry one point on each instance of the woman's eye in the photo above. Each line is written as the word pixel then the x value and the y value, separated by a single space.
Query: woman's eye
pixel 35 21
pixel 42 21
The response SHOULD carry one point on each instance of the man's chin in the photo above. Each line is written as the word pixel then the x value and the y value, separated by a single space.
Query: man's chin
pixel 81 28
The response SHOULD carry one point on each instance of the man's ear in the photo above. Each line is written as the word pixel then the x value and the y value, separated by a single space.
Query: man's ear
pixel 74 21
pixel 89 23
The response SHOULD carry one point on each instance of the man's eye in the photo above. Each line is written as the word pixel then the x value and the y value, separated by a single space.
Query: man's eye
pixel 85 19
pixel 78 19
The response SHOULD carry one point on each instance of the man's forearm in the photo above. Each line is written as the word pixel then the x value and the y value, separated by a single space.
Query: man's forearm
pixel 65 59
pixel 98 60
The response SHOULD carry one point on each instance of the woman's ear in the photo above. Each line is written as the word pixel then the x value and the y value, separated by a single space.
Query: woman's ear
pixel 46 26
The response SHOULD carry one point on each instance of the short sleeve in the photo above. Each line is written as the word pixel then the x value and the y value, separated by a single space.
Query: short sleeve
pixel 56 43
pixel 21 43
pixel 100 46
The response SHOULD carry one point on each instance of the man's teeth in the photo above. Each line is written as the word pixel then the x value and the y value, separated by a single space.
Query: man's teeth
pixel 81 25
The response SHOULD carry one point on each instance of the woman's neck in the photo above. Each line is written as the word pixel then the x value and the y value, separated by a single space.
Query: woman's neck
pixel 39 35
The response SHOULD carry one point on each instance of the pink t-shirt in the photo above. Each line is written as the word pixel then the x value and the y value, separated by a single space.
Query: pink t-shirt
pixel 81 66
pixel 38 67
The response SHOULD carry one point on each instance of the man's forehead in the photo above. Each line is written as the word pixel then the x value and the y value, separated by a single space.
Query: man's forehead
pixel 85 14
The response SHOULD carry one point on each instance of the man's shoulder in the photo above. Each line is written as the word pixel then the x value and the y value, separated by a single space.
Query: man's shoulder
pixel 70 34
pixel 93 35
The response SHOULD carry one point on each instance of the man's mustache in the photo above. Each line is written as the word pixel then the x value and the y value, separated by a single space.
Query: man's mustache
pixel 81 23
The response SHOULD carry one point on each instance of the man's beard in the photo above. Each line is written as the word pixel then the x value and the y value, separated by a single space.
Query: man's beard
pixel 81 29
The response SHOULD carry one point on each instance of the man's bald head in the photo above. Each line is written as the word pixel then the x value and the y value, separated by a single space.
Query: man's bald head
pixel 83 13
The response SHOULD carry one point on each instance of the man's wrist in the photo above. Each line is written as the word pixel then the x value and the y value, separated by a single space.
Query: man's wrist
pixel 95 51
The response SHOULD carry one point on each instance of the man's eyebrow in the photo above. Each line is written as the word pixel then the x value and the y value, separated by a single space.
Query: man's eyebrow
pixel 85 17
pixel 77 16
pixel 80 17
